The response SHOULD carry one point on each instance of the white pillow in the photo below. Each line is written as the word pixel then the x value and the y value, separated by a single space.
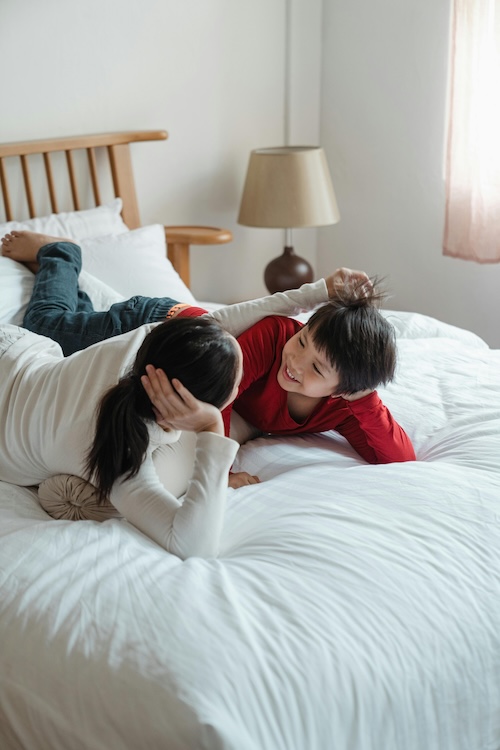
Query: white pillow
pixel 92 222
pixel 411 325
pixel 135 263
pixel 101 295
pixel 16 284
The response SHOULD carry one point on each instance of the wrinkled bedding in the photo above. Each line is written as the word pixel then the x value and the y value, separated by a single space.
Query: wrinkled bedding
pixel 353 607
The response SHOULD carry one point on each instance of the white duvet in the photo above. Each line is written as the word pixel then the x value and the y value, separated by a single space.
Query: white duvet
pixel 353 607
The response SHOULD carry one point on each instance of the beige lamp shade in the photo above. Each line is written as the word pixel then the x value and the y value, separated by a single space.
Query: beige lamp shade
pixel 288 187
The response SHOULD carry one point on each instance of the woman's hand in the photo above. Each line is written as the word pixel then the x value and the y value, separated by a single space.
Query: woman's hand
pixel 343 277
pixel 241 479
pixel 176 408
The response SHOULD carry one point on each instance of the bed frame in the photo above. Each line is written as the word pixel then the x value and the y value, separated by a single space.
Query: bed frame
pixel 17 159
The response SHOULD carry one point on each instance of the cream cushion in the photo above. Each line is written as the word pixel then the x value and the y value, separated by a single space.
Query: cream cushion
pixel 71 498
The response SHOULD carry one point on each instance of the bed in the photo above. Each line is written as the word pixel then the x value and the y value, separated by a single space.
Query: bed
pixel 352 607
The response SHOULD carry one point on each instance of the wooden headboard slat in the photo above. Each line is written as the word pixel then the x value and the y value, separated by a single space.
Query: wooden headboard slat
pixel 93 175
pixel 27 186
pixel 5 192
pixel 50 182
pixel 72 180
pixel 123 183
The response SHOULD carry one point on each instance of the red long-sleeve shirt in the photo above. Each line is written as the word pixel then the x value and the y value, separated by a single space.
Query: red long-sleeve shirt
pixel 366 423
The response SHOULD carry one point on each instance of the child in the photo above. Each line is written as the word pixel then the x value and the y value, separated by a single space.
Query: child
pixel 49 424
pixel 320 376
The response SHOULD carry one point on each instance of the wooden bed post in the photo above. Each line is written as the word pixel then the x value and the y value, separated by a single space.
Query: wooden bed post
pixel 123 183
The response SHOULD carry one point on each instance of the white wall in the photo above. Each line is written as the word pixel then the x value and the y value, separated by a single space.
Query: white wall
pixel 211 72
pixel 382 126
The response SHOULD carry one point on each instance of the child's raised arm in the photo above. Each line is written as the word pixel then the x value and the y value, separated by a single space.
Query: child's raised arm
pixel 238 317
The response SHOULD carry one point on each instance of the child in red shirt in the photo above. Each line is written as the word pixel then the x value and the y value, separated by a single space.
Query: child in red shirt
pixel 320 376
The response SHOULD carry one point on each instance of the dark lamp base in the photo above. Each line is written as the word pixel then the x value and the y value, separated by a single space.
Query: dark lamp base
pixel 289 271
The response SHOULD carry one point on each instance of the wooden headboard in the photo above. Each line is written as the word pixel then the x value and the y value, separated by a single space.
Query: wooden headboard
pixel 83 159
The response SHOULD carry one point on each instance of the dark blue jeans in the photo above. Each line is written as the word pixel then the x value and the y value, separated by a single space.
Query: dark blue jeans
pixel 60 310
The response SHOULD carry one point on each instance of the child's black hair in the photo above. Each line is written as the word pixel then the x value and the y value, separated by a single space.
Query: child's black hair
pixel 356 338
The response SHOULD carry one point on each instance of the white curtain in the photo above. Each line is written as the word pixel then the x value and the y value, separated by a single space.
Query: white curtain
pixel 472 226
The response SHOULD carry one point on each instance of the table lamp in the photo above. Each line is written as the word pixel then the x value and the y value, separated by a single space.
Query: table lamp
pixel 287 187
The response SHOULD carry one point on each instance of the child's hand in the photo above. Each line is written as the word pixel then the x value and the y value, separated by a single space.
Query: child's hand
pixel 343 277
pixel 241 479
pixel 176 408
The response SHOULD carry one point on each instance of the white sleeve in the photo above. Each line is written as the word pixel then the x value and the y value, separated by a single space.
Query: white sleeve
pixel 193 525
pixel 237 318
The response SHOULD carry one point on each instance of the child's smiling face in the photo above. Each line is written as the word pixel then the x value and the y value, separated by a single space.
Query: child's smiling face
pixel 306 370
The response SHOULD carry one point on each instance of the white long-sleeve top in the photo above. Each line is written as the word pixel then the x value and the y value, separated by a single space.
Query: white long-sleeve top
pixel 48 408
pixel 237 318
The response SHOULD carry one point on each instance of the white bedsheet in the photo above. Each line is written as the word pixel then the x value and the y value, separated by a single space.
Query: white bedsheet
pixel 353 607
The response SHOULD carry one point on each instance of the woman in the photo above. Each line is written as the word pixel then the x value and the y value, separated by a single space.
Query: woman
pixel 49 424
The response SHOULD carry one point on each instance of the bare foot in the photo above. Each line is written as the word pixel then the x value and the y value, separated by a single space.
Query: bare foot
pixel 23 246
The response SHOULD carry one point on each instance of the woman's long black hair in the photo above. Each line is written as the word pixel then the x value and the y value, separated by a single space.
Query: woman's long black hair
pixel 196 351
